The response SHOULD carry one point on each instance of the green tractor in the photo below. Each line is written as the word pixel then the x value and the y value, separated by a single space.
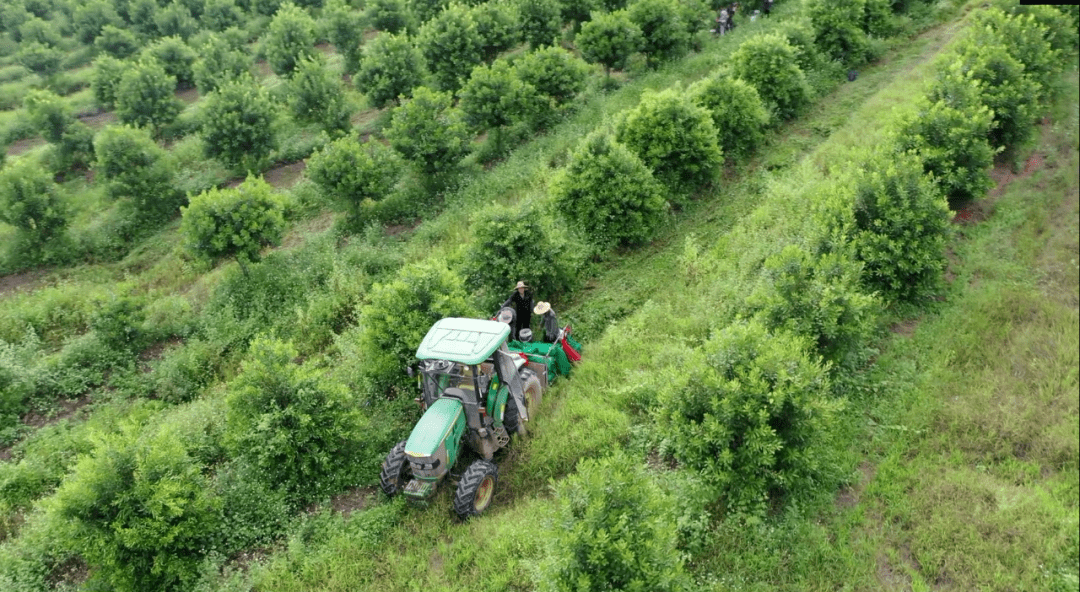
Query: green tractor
pixel 475 391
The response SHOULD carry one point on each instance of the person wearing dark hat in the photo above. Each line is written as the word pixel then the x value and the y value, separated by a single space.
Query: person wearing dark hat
pixel 521 301
pixel 551 322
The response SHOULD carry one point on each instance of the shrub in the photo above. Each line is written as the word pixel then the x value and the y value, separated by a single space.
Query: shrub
pixel 145 96
pixel 750 413
pixel 315 95
pixel 522 243
pixel 50 114
pixel 1026 39
pixel 451 45
pixel 238 124
pixel 106 79
pixel 117 42
pixel 253 512
pixel 289 38
pixel 118 323
pixel 494 97
pixel 219 15
pixel 838 26
pixel 768 63
pixel 132 166
pixel 34 30
pixel 817 298
pixel 294 429
pixel 950 138
pixel 610 39
pixel 540 21
pixel 608 193
pixel 425 10
pixel 497 25
pixel 43 60
pixel 139 510
pixel 391 68
pixel 675 138
pixel 90 17
pixel 400 312
pixel 176 57
pixel 555 73
pixel 344 28
pixel 390 16
pixel 429 132
pixel 233 222
pixel 218 63
pixel 612 530
pixel 30 201
pixel 737 112
pixel 662 28
pixel 354 173
pixel 175 19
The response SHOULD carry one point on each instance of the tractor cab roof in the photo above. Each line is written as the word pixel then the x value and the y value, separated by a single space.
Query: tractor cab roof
pixel 466 341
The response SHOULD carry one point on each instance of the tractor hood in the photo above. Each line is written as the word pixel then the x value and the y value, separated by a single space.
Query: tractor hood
pixel 433 428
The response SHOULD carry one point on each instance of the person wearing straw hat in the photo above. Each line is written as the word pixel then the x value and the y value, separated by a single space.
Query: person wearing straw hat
pixel 551 322
pixel 521 301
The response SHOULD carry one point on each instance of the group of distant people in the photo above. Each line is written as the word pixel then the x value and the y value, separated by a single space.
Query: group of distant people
pixel 725 17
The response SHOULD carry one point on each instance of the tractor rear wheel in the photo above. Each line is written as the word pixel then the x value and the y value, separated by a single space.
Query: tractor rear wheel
pixel 533 395
pixel 395 470
pixel 475 489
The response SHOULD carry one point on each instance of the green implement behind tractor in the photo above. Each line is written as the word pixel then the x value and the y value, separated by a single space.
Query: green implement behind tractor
pixel 475 390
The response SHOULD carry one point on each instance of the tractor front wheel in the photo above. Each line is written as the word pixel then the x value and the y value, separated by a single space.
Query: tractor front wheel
pixel 475 489
pixel 395 470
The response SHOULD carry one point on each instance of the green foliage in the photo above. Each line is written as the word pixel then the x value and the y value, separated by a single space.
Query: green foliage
pixel 289 38
pixel 391 68
pixel 838 25
pixel 494 97
pixel 540 22
pixel 89 18
pixel 1026 39
pixel 233 222
pixel 134 167
pixel 43 60
pixel 429 132
pixel 950 138
pixel 609 39
pixel 238 124
pixel 675 138
pixel 118 323
pixel 400 312
pixel 145 95
pixel 253 512
pixel 612 530
pixel 50 114
pixel 139 510
pixel 116 42
pixel 176 57
pixel 425 10
pixel 555 73
pixel 390 16
pixel 175 19
pixel 898 224
pixel 218 63
pixel 344 28
pixel 497 24
pixel 106 79
pixel 737 112
pixel 315 95
pixel 451 45
pixel 608 193
pixel 818 299
pixel 769 64
pixel 219 15
pixel 662 28
pixel 750 413
pixel 523 243
pixel 30 201
pixel 35 29
pixel 293 428
pixel 354 173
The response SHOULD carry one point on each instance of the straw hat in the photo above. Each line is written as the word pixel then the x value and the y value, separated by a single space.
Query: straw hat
pixel 542 308
pixel 520 285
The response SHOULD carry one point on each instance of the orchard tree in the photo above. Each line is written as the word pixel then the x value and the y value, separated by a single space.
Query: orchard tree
pixel 234 222
pixel 768 63
pixel 315 95
pixel 219 15
pixel 34 30
pixel 391 16
pixel 132 166
pixel 30 201
pixel 497 23
pixel 739 116
pixel 555 73
pixel 289 38
pixel 495 98
pixel 675 138
pixel 344 28
pixel 117 42
pixel 175 19
pixel 451 45
pixel 49 114
pixel 609 194
pixel 141 15
pixel 219 63
pixel 610 39
pixel 354 173
pixel 145 96
pixel 391 68
pixel 176 57
pixel 238 124
pixel 540 21
pixel 43 60
pixel 429 132
pixel 577 12
pixel 91 17
pixel 425 10
pixel 838 25
pixel 662 27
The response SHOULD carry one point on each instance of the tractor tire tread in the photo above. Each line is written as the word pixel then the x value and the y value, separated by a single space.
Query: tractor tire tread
pixel 469 485
pixel 395 468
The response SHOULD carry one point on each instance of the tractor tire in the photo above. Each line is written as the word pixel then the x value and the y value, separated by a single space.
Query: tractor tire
pixel 534 393
pixel 396 471
pixel 475 489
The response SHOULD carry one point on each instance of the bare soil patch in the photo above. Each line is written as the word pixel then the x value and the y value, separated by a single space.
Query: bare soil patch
pixel 1003 175
pixel 68 408
pixel 285 176
pixel 26 281
pixel 905 328
pixel 188 96
pixel 98 120
pixel 21 146
pixel 353 500
pixel 69 574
